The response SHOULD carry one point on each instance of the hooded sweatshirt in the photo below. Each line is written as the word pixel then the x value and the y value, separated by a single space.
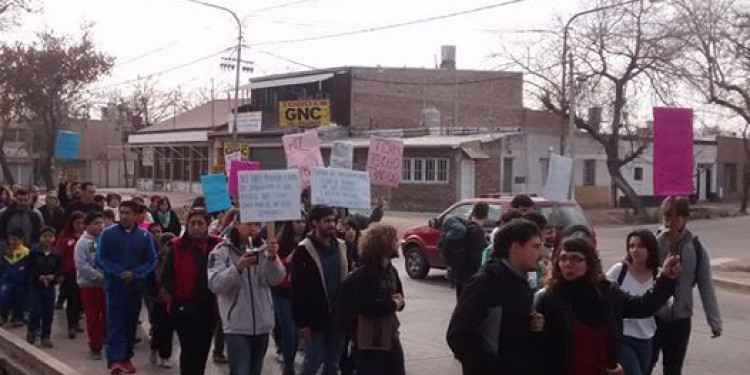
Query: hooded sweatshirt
pixel 88 273
pixel 244 297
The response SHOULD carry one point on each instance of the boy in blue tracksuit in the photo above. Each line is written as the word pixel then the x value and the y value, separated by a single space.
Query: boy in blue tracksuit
pixel 13 278
pixel 126 255
pixel 44 272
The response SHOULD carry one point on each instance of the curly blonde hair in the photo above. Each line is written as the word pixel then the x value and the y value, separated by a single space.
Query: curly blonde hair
pixel 377 242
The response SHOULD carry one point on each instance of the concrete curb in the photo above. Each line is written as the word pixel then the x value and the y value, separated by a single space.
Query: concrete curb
pixel 32 359
pixel 731 284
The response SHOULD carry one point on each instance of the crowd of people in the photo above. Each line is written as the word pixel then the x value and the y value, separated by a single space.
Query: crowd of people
pixel 531 299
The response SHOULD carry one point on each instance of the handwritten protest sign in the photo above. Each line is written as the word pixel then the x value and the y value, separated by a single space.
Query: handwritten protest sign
pixel 559 172
pixel 340 187
pixel 673 151
pixel 237 166
pixel 342 154
pixel 302 151
pixel 237 155
pixel 67 144
pixel 272 195
pixel 215 191
pixel 384 161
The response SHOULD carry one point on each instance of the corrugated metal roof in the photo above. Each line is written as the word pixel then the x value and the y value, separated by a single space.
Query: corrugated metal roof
pixel 207 116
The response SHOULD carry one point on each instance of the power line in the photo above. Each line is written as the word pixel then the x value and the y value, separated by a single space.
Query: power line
pixel 287 59
pixel 279 6
pixel 390 26
pixel 167 70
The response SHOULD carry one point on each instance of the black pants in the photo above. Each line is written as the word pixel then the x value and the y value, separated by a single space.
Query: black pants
pixel 219 340
pixel 69 288
pixel 195 330
pixel 162 330
pixel 381 362
pixel 671 339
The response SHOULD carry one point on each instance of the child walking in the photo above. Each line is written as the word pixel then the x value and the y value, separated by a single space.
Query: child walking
pixel 12 279
pixel 44 271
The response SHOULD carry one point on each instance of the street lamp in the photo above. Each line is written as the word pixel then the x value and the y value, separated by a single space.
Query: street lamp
pixel 568 59
pixel 239 59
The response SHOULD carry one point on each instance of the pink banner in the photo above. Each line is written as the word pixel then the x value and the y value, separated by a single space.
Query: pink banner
pixel 384 161
pixel 236 166
pixel 302 151
pixel 673 151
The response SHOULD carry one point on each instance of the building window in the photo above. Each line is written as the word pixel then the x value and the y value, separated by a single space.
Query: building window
pixel 425 170
pixel 589 172
pixel 638 174
pixel 730 177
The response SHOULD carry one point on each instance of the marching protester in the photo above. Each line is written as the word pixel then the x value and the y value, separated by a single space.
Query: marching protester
pixel 583 311
pixel 113 204
pixel 90 280
pixel 636 275
pixel 126 255
pixel 20 214
pixel 492 324
pixel 461 242
pixel 66 243
pixel 351 234
pixel 377 296
pixel 44 272
pixel 162 329
pixel 13 279
pixel 52 213
pixel 193 306
pixel 166 216
pixel 675 320
pixel 109 218
pixel 241 272
pixel 319 265
pixel 292 233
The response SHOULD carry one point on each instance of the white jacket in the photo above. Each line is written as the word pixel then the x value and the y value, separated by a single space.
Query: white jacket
pixel 245 302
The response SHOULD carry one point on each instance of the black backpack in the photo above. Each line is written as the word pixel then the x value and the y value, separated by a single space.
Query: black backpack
pixel 451 241
pixel 624 272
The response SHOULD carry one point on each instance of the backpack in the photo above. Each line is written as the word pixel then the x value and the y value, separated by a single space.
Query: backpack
pixel 451 240
pixel 698 247
pixel 624 272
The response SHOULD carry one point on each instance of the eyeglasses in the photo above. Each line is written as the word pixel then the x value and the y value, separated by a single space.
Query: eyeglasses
pixel 573 258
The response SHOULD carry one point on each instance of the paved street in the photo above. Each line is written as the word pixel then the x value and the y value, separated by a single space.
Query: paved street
pixel 430 303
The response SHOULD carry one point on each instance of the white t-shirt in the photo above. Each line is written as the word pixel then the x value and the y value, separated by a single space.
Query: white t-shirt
pixel 637 328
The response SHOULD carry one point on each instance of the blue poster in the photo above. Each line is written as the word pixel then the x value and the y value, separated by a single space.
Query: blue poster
pixel 67 144
pixel 216 192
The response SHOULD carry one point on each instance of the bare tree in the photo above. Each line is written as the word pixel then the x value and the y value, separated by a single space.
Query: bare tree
pixel 619 53
pixel 718 61
pixel 11 9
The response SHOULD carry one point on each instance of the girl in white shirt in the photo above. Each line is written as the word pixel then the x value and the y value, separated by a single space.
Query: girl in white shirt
pixel 636 275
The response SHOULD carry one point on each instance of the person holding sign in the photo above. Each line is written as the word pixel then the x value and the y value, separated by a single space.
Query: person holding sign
pixel 241 272
pixel 319 266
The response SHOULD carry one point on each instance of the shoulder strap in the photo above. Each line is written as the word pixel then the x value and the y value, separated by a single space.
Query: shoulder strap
pixel 698 247
pixel 623 273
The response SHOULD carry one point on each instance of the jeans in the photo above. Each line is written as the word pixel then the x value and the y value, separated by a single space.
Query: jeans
pixel 323 348
pixel 195 325
pixel 93 306
pixel 288 330
pixel 382 362
pixel 672 338
pixel 635 355
pixel 41 310
pixel 246 353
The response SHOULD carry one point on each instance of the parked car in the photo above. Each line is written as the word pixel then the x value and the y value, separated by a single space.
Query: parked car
pixel 419 243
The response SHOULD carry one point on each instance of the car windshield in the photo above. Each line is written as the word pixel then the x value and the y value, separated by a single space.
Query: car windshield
pixel 563 216
pixel 463 211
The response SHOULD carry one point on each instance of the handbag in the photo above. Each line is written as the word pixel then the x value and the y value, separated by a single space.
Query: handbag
pixel 376 333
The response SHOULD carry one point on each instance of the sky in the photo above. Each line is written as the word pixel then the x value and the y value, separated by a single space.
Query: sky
pixel 158 36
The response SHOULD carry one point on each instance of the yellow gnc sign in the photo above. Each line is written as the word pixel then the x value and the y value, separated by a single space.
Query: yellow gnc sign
pixel 305 113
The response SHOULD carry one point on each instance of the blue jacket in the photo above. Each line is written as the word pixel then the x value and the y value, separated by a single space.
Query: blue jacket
pixel 13 271
pixel 119 251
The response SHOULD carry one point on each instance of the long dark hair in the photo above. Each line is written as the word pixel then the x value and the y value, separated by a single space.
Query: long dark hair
pixel 594 272
pixel 648 240
pixel 68 228
pixel 287 242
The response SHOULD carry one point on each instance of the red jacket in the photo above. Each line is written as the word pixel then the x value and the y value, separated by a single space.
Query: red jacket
pixel 185 274
pixel 67 245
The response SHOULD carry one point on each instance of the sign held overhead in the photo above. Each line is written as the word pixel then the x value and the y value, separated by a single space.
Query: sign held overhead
pixel 339 187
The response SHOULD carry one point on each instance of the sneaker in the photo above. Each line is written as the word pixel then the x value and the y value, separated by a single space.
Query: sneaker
pixel 165 363
pixel 95 355
pixel 116 368
pixel 47 343
pixel 152 359
pixel 128 367
pixel 31 337
pixel 220 358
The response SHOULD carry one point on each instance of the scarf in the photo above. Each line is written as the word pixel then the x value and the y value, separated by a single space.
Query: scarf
pixel 164 218
pixel 586 302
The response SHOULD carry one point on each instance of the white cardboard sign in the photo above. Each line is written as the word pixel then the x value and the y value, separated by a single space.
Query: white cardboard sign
pixel 340 187
pixel 558 178
pixel 272 195
pixel 342 154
